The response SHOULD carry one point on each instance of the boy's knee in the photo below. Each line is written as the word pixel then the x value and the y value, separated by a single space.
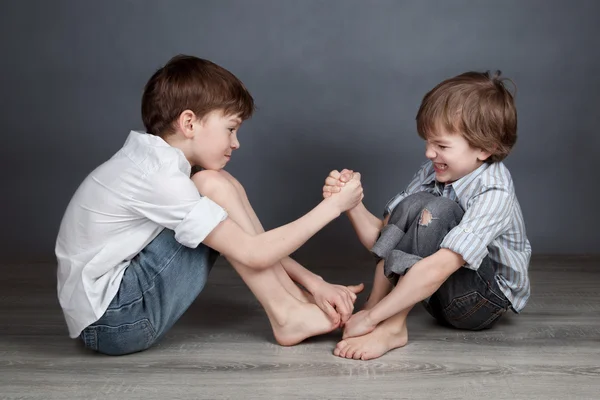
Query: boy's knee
pixel 236 184
pixel 441 205
pixel 211 182
pixel 425 218
pixel 440 208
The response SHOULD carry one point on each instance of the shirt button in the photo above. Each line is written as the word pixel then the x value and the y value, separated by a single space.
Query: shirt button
pixel 467 230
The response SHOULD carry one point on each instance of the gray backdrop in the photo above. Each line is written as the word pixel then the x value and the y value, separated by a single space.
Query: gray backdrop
pixel 337 83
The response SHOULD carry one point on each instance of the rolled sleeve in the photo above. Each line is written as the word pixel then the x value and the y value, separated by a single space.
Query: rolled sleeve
pixel 170 199
pixel 486 217
pixel 199 222
pixel 464 242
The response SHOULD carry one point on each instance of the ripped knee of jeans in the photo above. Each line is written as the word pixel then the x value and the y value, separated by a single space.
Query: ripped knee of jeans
pixel 425 218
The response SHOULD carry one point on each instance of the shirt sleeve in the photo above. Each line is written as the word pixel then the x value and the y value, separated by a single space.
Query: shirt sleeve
pixel 170 199
pixel 487 215
pixel 413 187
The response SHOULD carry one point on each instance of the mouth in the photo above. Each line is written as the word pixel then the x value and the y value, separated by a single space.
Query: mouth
pixel 438 167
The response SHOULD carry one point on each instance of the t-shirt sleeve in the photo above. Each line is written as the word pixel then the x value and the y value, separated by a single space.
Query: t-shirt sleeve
pixel 486 216
pixel 413 187
pixel 170 199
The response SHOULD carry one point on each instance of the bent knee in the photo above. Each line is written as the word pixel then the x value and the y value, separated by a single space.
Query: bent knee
pixel 210 182
pixel 442 205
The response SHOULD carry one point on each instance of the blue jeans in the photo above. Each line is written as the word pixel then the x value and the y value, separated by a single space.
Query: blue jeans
pixel 159 284
pixel 468 299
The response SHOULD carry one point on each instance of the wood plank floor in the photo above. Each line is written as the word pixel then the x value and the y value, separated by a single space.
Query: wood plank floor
pixel 222 348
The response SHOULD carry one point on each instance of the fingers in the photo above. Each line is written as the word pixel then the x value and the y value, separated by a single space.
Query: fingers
pixel 343 176
pixel 345 312
pixel 356 289
pixel 331 313
pixel 335 174
pixel 347 302
pixel 330 181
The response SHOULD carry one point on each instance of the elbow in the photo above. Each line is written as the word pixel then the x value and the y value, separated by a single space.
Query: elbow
pixel 257 259
pixel 257 262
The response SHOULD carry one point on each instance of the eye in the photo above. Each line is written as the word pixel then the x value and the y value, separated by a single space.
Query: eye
pixel 231 130
pixel 442 147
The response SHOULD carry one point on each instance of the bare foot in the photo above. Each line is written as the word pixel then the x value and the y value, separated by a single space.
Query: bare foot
pixel 302 321
pixel 358 325
pixel 373 345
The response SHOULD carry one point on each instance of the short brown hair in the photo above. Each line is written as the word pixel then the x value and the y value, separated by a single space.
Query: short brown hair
pixel 477 105
pixel 191 83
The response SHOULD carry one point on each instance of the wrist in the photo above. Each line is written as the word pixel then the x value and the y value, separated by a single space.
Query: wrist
pixel 353 211
pixel 313 282
pixel 332 207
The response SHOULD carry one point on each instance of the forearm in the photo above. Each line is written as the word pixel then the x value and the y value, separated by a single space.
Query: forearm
pixel 366 225
pixel 265 249
pixel 420 282
pixel 300 274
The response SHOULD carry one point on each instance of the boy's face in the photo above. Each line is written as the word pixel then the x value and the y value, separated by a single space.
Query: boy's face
pixel 452 156
pixel 215 138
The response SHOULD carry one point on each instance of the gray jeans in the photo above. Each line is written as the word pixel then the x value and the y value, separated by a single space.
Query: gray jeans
pixel 468 299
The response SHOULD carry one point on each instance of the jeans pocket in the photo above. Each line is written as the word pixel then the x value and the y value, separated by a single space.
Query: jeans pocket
pixel 473 312
pixel 120 339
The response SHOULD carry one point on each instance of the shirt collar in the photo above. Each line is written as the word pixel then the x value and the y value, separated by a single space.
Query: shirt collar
pixel 459 185
pixel 161 148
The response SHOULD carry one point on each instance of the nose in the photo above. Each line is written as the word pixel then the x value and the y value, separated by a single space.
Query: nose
pixel 235 144
pixel 429 152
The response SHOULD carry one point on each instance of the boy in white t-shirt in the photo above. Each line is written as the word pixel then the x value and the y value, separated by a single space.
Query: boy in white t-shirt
pixel 139 237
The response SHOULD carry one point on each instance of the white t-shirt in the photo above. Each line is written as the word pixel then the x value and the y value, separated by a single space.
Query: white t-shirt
pixel 117 210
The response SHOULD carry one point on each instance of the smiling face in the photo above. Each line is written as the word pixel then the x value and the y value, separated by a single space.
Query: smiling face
pixel 452 156
pixel 214 139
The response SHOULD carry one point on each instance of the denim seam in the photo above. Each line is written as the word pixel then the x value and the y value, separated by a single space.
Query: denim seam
pixel 150 333
pixel 90 338
pixel 165 265
pixel 473 310
pixel 503 300
pixel 491 319
pixel 139 299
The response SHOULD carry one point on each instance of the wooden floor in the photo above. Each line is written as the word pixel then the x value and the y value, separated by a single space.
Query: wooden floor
pixel 222 348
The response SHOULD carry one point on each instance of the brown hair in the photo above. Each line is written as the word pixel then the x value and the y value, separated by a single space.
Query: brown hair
pixel 478 106
pixel 191 83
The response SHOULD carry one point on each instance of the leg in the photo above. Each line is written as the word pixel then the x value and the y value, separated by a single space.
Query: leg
pixel 291 319
pixel 256 227
pixel 419 226
pixel 391 234
pixel 469 299
pixel 159 284
pixel 381 287
pixel 390 334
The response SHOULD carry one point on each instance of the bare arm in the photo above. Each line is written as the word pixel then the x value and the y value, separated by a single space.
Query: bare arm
pixel 366 225
pixel 421 281
pixel 265 249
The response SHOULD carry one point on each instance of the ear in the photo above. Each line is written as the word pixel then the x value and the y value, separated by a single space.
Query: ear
pixel 185 123
pixel 484 155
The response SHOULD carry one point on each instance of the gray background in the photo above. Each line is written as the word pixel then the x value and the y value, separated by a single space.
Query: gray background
pixel 337 83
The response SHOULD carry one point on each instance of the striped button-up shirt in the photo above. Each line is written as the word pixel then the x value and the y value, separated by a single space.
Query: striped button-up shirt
pixel 491 226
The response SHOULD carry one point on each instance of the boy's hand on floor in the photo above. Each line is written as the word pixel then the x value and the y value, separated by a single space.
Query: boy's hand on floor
pixel 336 301
pixel 336 180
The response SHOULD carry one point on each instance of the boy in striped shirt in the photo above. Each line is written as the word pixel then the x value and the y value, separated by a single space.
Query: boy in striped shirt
pixel 455 237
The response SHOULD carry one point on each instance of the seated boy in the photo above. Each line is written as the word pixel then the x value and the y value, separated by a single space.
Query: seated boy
pixel 455 237
pixel 139 237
